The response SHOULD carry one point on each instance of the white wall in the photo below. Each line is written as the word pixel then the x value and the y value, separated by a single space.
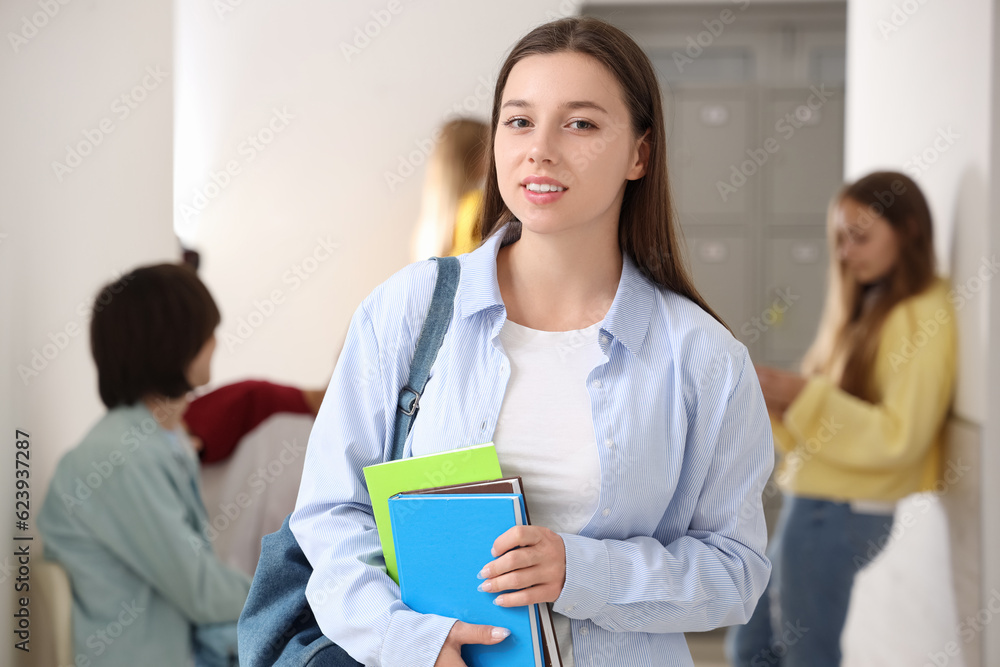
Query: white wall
pixel 356 116
pixel 222 73
pixel 66 236
pixel 917 71
pixel 990 462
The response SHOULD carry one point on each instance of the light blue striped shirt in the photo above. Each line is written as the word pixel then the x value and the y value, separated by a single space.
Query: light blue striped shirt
pixel 677 543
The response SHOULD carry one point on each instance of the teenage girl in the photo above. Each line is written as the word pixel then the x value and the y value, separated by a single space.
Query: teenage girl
pixel 580 348
pixel 862 426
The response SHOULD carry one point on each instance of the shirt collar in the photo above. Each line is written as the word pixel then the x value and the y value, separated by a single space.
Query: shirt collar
pixel 141 416
pixel 627 319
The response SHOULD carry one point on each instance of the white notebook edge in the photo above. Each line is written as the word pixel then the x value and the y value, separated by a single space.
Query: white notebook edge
pixel 549 631
pixel 533 616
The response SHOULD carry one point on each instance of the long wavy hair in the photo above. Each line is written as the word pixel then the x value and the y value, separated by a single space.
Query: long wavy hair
pixel 847 341
pixel 647 228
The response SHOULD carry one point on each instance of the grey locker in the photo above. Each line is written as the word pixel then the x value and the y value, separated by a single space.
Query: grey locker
pixel 795 281
pixel 721 64
pixel 710 135
pixel 807 168
pixel 719 265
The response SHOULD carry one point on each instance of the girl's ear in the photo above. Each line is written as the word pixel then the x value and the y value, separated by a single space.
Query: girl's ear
pixel 638 169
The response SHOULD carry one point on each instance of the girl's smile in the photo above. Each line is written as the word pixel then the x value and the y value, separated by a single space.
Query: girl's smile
pixel 542 190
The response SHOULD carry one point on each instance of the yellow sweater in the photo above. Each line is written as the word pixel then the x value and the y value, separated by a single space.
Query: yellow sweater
pixel 839 447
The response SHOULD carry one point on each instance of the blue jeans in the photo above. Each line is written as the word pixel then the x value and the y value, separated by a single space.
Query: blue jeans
pixel 817 549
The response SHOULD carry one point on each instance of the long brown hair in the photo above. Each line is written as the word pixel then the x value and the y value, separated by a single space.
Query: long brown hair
pixel 647 230
pixel 847 341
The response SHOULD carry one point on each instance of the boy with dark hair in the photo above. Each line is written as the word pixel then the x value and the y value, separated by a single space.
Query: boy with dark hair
pixel 123 514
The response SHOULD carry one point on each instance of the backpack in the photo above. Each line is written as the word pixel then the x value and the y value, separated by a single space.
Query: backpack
pixel 277 627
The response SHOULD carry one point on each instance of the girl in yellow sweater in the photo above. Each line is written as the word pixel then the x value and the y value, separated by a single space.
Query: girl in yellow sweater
pixel 861 427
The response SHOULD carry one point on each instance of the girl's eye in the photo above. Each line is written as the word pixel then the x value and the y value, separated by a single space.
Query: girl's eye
pixel 583 124
pixel 513 123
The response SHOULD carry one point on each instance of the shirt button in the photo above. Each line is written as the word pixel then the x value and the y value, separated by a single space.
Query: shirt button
pixel 610 443
pixel 604 339
pixel 596 384
pixel 584 631
pixel 570 608
pixel 607 511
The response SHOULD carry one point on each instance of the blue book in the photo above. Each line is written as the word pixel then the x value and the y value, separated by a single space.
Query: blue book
pixel 442 542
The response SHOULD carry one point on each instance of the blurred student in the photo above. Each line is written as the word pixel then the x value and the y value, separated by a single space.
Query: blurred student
pixel 861 427
pixel 453 196
pixel 123 514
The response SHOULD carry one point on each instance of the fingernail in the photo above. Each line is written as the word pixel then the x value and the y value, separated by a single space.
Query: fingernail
pixel 498 600
pixel 486 586
pixel 493 552
pixel 500 633
pixel 484 573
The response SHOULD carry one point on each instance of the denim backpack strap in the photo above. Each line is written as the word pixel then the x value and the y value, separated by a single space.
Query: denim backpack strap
pixel 431 337
pixel 277 627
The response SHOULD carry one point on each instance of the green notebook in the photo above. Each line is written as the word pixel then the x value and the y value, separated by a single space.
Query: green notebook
pixel 457 466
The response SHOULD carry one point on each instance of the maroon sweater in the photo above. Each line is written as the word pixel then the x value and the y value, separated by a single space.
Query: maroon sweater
pixel 222 417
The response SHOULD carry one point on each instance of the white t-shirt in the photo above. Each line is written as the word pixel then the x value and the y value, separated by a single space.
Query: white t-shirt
pixel 545 432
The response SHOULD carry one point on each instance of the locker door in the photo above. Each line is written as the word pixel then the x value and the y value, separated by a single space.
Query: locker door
pixel 801 176
pixel 795 280
pixel 710 136
pixel 720 267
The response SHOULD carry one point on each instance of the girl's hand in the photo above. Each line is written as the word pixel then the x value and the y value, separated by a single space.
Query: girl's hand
pixel 466 633
pixel 536 571
pixel 780 388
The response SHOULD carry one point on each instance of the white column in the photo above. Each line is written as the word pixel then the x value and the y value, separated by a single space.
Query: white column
pixel 85 176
